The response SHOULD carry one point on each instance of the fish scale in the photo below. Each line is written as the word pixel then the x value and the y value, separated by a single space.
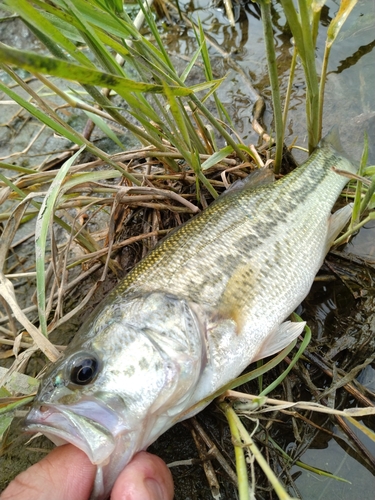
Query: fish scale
pixel 209 299
pixel 211 230
pixel 234 230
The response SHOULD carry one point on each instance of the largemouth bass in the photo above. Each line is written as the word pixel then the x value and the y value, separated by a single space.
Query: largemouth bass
pixel 208 300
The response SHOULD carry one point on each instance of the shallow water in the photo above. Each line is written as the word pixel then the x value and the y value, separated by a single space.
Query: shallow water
pixel 350 99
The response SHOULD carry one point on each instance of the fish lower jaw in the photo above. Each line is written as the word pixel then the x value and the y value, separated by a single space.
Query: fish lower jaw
pixel 98 444
pixel 60 438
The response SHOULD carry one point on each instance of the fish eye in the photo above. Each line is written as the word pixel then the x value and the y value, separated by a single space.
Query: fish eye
pixel 84 370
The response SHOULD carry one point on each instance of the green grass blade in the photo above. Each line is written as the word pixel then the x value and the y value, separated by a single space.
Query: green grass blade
pixel 115 5
pixel 155 32
pixel 90 35
pixel 201 39
pixel 295 25
pixel 366 202
pixel 304 344
pixel 196 166
pixel 5 422
pixel 370 170
pixel 66 131
pixel 241 466
pixel 363 428
pixel 178 116
pixel 67 24
pixel 95 176
pixel 357 208
pixel 357 227
pixel 16 189
pixel 202 86
pixel 42 117
pixel 311 76
pixel 74 72
pixel 17 383
pixel 16 168
pixel 302 465
pixel 303 39
pixel 95 14
pixel 204 52
pixel 216 157
pixel 195 137
pixel 12 406
pixel 99 122
pixel 82 237
pixel 242 439
pixel 7 406
pixel 218 127
pixel 136 101
pixel 293 65
pixel 42 24
pixel 43 222
pixel 189 67
pixel 265 7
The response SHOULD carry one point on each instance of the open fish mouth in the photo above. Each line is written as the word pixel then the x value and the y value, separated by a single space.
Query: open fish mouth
pixel 62 424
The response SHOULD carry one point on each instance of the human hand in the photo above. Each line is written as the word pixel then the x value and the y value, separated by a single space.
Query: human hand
pixel 67 474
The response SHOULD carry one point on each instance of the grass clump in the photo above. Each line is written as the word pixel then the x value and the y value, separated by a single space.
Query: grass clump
pixel 171 116
pixel 303 20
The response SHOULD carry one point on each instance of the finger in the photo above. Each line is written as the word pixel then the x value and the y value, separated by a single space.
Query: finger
pixel 146 477
pixel 65 473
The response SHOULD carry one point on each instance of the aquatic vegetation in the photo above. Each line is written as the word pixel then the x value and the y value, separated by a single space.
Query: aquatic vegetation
pixel 303 23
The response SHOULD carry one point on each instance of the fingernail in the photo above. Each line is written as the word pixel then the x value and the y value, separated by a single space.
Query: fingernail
pixel 154 489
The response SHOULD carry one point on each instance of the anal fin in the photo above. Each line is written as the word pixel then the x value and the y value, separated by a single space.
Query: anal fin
pixel 336 223
pixel 279 338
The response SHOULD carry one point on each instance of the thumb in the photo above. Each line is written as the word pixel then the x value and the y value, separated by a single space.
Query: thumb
pixel 65 472
pixel 146 477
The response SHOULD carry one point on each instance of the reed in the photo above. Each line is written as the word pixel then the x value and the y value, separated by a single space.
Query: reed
pixel 303 21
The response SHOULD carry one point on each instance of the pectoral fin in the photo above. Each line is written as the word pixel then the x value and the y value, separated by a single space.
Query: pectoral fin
pixel 279 338
pixel 239 293
pixel 336 223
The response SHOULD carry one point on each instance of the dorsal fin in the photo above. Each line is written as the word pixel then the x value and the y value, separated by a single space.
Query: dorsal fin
pixel 256 178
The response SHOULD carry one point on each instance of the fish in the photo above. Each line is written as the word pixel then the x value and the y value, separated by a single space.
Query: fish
pixel 208 300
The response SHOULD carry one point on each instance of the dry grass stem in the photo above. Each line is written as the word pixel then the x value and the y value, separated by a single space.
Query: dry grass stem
pixel 264 405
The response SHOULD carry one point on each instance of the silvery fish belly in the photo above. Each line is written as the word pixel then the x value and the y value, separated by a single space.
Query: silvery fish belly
pixel 211 298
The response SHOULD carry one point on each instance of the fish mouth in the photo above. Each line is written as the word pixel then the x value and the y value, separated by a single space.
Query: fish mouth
pixel 62 424
pixel 94 425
